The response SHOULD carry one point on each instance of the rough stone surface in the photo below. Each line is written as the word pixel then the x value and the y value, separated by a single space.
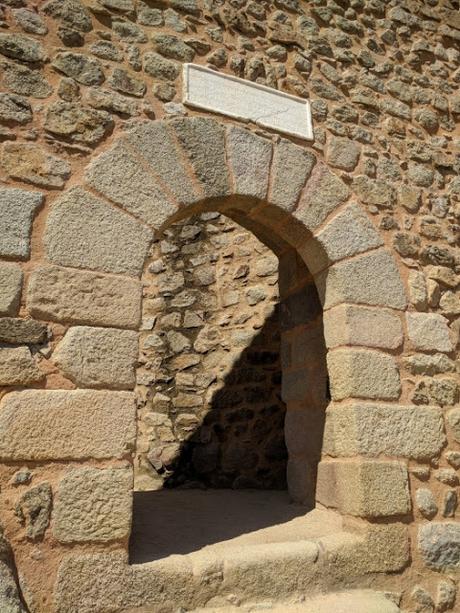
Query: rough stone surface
pixel 84 232
pixel 249 158
pixel 22 331
pixel 71 13
pixel 373 429
pixel 127 83
pixel 159 67
pixel 429 332
pixel 10 601
pixel 292 166
pixel 10 288
pixel 365 326
pixel 29 21
pixel 203 140
pixel 98 357
pixel 371 279
pixel 23 48
pixel 453 419
pixel 61 425
pixel 362 488
pixel 33 510
pixel 62 294
pixel 361 373
pixel 349 233
pixel 171 46
pixel 14 109
pixel 439 545
pixel 25 81
pixel 343 153
pixel 130 186
pixel 426 502
pixel 93 505
pixel 17 209
pixel 324 192
pixel 154 142
pixel 110 101
pixel 76 122
pixel 32 164
pixel 17 367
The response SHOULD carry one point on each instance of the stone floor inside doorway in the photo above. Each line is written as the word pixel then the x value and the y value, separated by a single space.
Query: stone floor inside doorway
pixel 221 523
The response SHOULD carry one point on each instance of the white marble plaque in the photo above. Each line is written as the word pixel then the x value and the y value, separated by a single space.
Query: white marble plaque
pixel 228 95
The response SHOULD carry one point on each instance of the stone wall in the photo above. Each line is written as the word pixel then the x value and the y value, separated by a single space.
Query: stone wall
pixel 378 188
pixel 209 381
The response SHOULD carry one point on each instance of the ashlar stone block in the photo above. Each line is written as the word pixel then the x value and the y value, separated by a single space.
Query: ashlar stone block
pixel 429 332
pixel 368 429
pixel 17 367
pixel 371 279
pixel 292 166
pixel 39 425
pixel 348 324
pixel 203 140
pixel 120 177
pixel 153 140
pixel 93 505
pixel 98 357
pixel 85 232
pixel 349 233
pixel 10 288
pixel 324 192
pixel 17 209
pixel 250 158
pixel 63 294
pixel 369 488
pixel 363 373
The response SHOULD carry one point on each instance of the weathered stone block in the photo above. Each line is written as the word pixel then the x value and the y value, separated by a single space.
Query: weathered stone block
pixel 62 294
pixel 17 367
pixel 364 489
pixel 20 331
pixel 83 69
pixel 378 429
pixel 348 324
pixel 371 279
pixel 14 109
pixel 203 140
pixel 250 158
pixel 98 357
pixel 77 122
pixel 20 47
pixel 349 233
pixel 439 545
pixel 292 166
pixel 363 373
pixel 33 510
pixel 10 288
pixel 66 425
pixel 343 153
pixel 84 232
pixel 118 175
pixel 323 193
pixel 17 208
pixel 93 505
pixel 429 332
pixel 32 164
pixel 153 140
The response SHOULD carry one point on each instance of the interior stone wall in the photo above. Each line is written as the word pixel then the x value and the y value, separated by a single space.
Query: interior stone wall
pixel 209 381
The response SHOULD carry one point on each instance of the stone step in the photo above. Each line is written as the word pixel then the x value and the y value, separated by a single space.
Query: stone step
pixel 356 601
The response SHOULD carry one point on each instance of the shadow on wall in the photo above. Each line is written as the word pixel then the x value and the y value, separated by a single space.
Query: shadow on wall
pixel 243 442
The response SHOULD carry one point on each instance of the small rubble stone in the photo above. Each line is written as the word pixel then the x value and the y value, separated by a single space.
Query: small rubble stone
pixel 159 67
pixel 106 50
pixel 32 164
pixel 77 122
pixel 23 48
pixel 172 47
pixel 128 31
pixel 71 13
pixel 24 81
pixel 429 332
pixel 14 109
pixel 124 82
pixel 343 153
pixel 22 331
pixel 33 510
pixel 30 21
pixel 439 545
pixel 426 503
pixel 104 99
pixel 80 67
